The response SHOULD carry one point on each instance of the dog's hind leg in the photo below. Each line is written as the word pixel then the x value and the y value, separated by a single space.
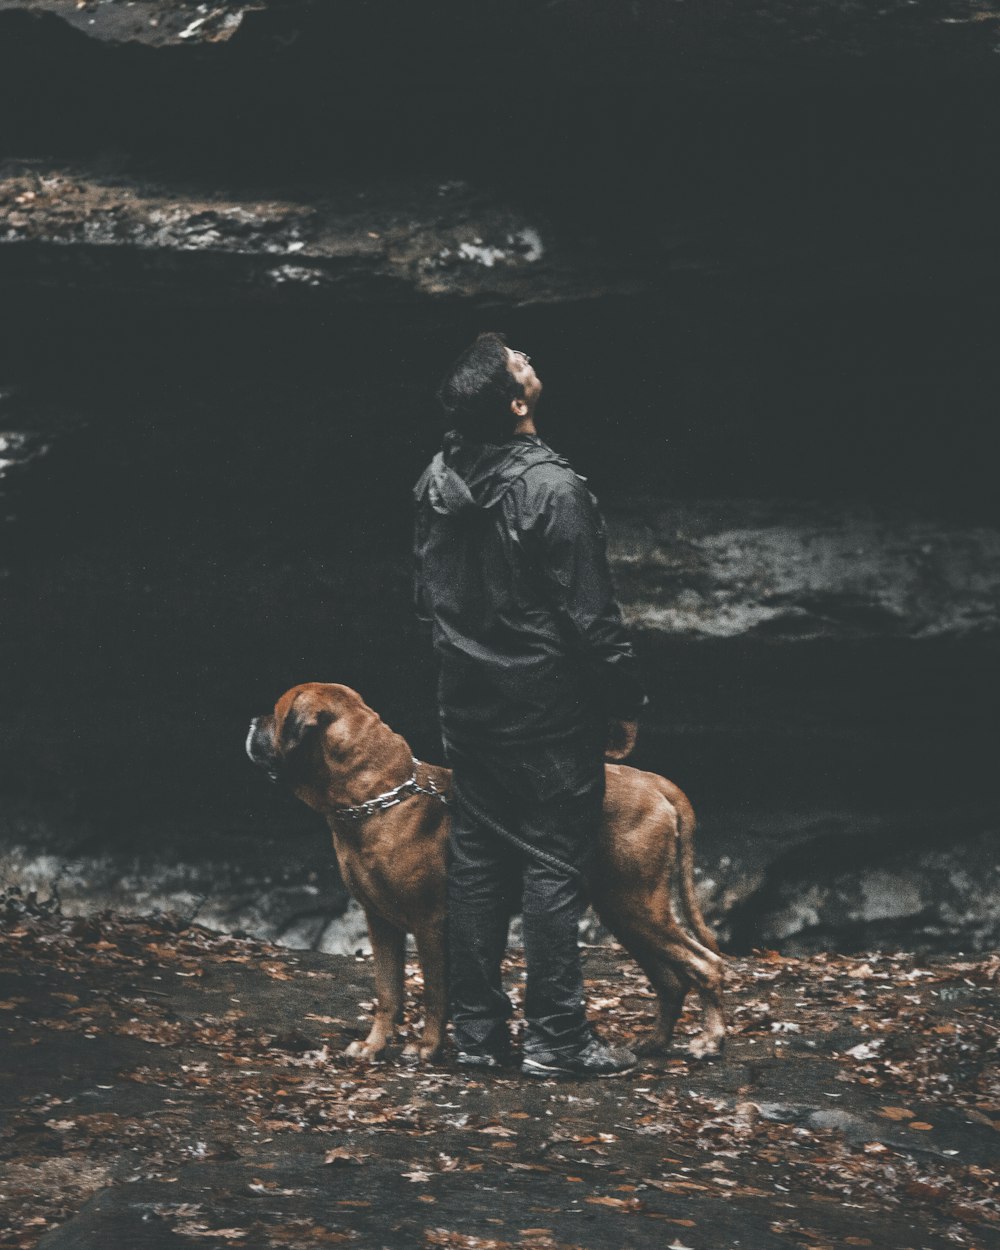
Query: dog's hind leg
pixel 433 962
pixel 670 989
pixel 388 950
pixel 701 970
pixel 675 963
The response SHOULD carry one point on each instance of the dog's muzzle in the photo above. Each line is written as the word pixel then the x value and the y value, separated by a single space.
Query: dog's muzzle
pixel 260 749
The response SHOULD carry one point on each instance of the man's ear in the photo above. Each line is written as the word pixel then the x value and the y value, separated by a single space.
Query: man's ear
pixel 299 723
pixel 519 408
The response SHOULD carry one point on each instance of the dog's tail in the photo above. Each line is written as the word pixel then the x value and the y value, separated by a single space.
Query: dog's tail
pixel 686 824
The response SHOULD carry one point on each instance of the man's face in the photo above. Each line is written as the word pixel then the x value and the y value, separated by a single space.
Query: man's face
pixel 521 371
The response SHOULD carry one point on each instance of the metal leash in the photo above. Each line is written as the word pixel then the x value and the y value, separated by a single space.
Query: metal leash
pixel 544 856
pixel 390 798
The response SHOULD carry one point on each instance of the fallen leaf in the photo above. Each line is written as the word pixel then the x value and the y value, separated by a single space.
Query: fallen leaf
pixel 865 1050
pixel 896 1113
pixel 199 1230
pixel 338 1156
pixel 619 1204
pixel 277 972
pixel 921 1125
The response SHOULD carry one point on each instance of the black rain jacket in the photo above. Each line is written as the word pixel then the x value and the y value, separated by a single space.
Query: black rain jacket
pixel 511 571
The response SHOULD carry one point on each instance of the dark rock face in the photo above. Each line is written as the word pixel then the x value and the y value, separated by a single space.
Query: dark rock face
pixel 753 254
pixel 378 244
pixel 787 570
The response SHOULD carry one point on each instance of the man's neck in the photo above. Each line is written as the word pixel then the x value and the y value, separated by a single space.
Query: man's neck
pixel 526 425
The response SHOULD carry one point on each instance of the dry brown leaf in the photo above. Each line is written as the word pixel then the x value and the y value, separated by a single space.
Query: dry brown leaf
pixel 277 972
pixel 674 1187
pixel 340 1157
pixel 199 1230
pixel 618 1204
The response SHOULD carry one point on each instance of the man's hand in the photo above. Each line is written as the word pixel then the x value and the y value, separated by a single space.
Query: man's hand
pixel 621 739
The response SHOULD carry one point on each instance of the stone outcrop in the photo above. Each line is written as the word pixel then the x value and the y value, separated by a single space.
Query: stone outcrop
pixel 757 37
pixel 776 569
pixel 70 228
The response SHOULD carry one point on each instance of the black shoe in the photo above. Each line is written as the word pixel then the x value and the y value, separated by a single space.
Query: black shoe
pixel 481 1059
pixel 592 1059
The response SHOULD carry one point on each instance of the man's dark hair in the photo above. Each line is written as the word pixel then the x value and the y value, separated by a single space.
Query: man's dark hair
pixel 477 391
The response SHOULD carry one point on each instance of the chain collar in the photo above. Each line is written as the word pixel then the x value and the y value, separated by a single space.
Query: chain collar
pixel 361 811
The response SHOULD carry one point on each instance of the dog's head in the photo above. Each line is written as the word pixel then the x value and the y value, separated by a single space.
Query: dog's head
pixel 314 734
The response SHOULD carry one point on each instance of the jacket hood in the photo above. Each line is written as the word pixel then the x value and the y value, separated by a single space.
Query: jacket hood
pixel 469 478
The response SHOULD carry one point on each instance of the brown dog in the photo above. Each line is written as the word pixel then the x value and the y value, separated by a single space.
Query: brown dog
pixel 336 753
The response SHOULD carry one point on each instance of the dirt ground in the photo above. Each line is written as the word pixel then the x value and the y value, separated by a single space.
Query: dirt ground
pixel 163 1085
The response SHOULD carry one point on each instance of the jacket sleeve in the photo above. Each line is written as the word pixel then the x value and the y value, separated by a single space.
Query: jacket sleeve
pixel 568 540
pixel 424 615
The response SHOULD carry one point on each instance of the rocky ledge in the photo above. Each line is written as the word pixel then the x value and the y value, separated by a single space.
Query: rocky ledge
pixel 788 569
pixel 73 228
pixel 749 36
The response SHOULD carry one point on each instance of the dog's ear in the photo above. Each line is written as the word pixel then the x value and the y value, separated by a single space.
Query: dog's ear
pixel 300 722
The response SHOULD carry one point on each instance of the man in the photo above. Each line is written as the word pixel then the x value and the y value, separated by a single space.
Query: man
pixel 537 684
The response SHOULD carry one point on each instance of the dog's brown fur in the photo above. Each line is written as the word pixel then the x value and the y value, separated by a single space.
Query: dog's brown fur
pixel 334 751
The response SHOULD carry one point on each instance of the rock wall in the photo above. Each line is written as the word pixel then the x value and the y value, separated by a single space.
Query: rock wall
pixel 752 254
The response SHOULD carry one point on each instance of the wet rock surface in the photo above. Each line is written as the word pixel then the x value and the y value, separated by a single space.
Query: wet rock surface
pixel 827 891
pixel 783 570
pixel 179 23
pixel 840 29
pixel 159 1083
pixel 366 242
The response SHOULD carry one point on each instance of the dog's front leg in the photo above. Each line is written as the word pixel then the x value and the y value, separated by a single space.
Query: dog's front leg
pixel 388 950
pixel 431 951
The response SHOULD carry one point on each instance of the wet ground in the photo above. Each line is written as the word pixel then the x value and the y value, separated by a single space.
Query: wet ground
pixel 160 1083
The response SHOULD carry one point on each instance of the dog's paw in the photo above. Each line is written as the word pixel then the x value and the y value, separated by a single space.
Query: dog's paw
pixel 364 1051
pixel 415 1053
pixel 652 1048
pixel 706 1045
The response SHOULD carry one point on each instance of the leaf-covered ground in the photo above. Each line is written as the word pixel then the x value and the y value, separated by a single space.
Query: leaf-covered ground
pixel 164 1086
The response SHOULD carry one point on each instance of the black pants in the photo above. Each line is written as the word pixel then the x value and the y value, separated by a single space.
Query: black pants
pixel 523 829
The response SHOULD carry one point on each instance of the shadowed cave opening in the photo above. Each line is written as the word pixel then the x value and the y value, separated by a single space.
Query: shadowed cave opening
pixel 222 510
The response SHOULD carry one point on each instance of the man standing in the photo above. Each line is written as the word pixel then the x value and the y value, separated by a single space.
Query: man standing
pixel 537 685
